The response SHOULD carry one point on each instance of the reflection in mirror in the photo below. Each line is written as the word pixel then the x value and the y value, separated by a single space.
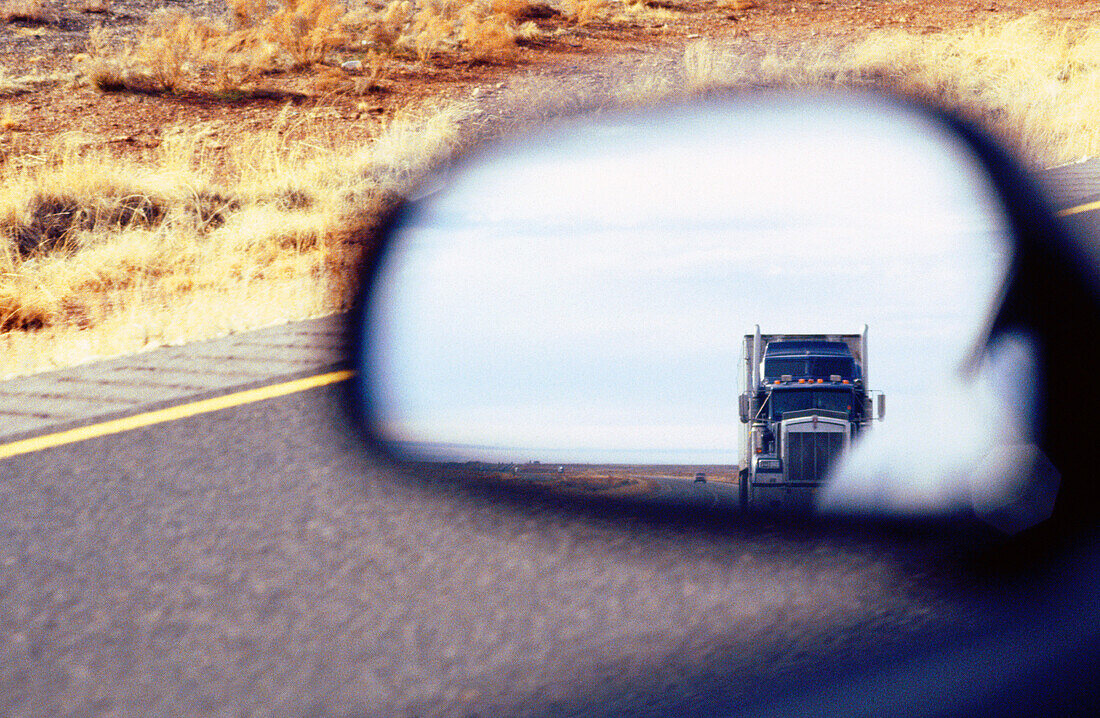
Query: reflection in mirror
pixel 574 309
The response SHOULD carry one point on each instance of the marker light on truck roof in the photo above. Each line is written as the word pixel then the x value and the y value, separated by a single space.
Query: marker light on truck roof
pixel 835 377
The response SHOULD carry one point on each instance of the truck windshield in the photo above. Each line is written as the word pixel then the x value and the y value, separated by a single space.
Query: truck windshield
pixel 782 401
pixel 808 366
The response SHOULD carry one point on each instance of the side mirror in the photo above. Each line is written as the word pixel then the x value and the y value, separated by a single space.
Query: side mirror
pixel 744 404
pixel 580 300
pixel 874 406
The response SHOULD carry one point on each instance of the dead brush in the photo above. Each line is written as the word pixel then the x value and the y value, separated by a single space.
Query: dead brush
pixel 305 29
pixel 486 29
pixel 161 61
pixel 175 47
pixel 51 221
pixel 93 7
pixel 383 29
pixel 520 10
pixel 425 29
pixel 178 51
pixel 103 66
pixel 434 28
pixel 32 11
pixel 10 85
pixel 10 120
pixel 583 12
pixel 487 34
pixel 650 11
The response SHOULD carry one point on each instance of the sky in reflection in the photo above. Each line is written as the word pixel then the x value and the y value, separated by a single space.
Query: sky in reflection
pixel 581 296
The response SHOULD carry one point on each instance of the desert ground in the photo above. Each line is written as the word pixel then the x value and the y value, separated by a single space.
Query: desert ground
pixel 581 479
pixel 182 169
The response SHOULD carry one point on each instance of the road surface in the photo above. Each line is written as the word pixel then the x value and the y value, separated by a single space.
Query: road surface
pixel 675 491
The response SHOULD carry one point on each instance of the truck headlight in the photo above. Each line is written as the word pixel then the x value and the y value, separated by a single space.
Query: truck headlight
pixel 769 465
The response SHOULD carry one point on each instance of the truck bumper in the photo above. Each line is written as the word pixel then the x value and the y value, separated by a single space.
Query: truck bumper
pixel 785 497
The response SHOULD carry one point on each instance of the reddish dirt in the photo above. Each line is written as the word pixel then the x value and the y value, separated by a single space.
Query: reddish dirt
pixel 132 123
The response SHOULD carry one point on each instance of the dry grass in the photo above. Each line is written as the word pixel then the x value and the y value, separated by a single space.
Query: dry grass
pixel 179 52
pixel 36 11
pixel 584 11
pixel 94 7
pixel 10 85
pixel 1034 81
pixel 10 120
pixel 482 29
pixel 644 11
pixel 26 83
pixel 94 244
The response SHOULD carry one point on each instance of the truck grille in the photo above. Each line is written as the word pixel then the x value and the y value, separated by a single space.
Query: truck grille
pixel 811 453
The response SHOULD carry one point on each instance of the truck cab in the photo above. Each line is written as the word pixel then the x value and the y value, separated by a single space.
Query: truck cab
pixel 805 402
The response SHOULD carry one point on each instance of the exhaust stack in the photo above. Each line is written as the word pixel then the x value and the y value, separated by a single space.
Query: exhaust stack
pixel 756 360
pixel 863 358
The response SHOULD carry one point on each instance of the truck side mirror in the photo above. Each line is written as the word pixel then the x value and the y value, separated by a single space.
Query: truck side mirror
pixel 881 407
pixel 744 407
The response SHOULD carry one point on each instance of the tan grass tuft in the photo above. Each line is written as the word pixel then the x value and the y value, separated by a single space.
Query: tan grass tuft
pixel 306 29
pixel 10 120
pixel 488 36
pixel 35 11
pixel 514 10
pixel 9 85
pixel 178 52
pixel 583 12
pixel 649 12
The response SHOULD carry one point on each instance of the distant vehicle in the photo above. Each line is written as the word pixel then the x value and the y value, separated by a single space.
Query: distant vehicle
pixel 805 400
pixel 700 478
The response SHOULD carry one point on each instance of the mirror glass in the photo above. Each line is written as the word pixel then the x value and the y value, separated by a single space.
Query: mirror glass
pixel 576 303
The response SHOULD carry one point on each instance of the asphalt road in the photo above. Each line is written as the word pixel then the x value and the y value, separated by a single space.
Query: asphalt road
pixel 674 491
pixel 256 561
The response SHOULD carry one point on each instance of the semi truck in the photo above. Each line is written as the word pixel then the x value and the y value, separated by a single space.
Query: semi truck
pixel 804 399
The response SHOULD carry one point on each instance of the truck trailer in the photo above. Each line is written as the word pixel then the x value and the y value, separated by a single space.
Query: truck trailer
pixel 804 400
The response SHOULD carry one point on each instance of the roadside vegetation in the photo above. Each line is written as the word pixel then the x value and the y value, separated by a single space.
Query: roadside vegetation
pixel 105 254
pixel 1033 80
pixel 259 38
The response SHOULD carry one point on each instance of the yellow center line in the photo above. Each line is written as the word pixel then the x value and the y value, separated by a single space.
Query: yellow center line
pixel 182 411
pixel 1087 207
